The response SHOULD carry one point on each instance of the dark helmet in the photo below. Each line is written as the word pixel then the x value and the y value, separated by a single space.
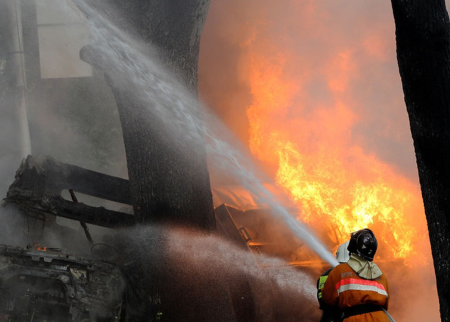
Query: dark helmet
pixel 363 243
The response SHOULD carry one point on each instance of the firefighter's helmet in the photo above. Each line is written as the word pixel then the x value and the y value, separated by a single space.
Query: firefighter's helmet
pixel 363 243
pixel 342 254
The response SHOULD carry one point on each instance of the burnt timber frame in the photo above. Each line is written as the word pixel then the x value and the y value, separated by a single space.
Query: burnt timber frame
pixel 40 180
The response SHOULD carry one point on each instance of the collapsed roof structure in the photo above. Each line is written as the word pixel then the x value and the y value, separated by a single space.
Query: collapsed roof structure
pixel 97 284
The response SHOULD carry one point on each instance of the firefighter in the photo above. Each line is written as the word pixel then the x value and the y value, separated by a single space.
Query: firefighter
pixel 359 288
pixel 330 313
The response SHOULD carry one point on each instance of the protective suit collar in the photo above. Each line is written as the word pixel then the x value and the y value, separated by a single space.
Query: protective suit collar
pixel 364 268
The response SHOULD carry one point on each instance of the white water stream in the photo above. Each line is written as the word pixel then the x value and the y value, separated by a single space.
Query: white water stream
pixel 133 69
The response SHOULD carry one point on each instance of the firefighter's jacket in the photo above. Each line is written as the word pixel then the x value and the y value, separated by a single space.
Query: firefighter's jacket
pixel 345 289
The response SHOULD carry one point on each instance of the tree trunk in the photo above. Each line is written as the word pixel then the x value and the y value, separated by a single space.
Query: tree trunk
pixel 423 52
pixel 169 183
pixel 167 170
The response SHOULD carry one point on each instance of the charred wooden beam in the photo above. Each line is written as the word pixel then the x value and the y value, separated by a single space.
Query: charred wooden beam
pixel 45 175
pixel 40 180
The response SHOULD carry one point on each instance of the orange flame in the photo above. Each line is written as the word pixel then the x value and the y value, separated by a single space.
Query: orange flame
pixel 333 181
pixel 326 116
pixel 38 247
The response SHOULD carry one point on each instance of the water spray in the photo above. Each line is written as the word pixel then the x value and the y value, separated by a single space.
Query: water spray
pixel 130 68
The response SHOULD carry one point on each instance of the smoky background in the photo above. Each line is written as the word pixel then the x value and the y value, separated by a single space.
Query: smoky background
pixel 72 114
pixel 70 109
pixel 72 117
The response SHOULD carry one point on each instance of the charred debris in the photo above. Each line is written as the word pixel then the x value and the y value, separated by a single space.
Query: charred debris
pixel 54 273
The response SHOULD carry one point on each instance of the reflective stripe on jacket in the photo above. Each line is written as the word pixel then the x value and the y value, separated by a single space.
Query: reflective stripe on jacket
pixel 321 283
pixel 345 289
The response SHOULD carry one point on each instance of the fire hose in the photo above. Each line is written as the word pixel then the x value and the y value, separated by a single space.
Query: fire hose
pixel 391 319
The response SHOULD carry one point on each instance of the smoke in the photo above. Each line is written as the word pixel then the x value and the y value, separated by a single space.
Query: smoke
pixel 53 132
pixel 332 56
pixel 316 45
pixel 70 116
pixel 59 128
pixel 413 291
pixel 14 232
pixel 10 142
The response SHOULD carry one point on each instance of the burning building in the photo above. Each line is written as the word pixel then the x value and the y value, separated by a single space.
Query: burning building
pixel 92 274
pixel 46 79
pixel 318 84
pixel 308 110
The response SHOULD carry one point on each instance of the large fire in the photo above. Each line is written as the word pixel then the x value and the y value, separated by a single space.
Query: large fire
pixel 306 117
pixel 331 180
pixel 318 81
